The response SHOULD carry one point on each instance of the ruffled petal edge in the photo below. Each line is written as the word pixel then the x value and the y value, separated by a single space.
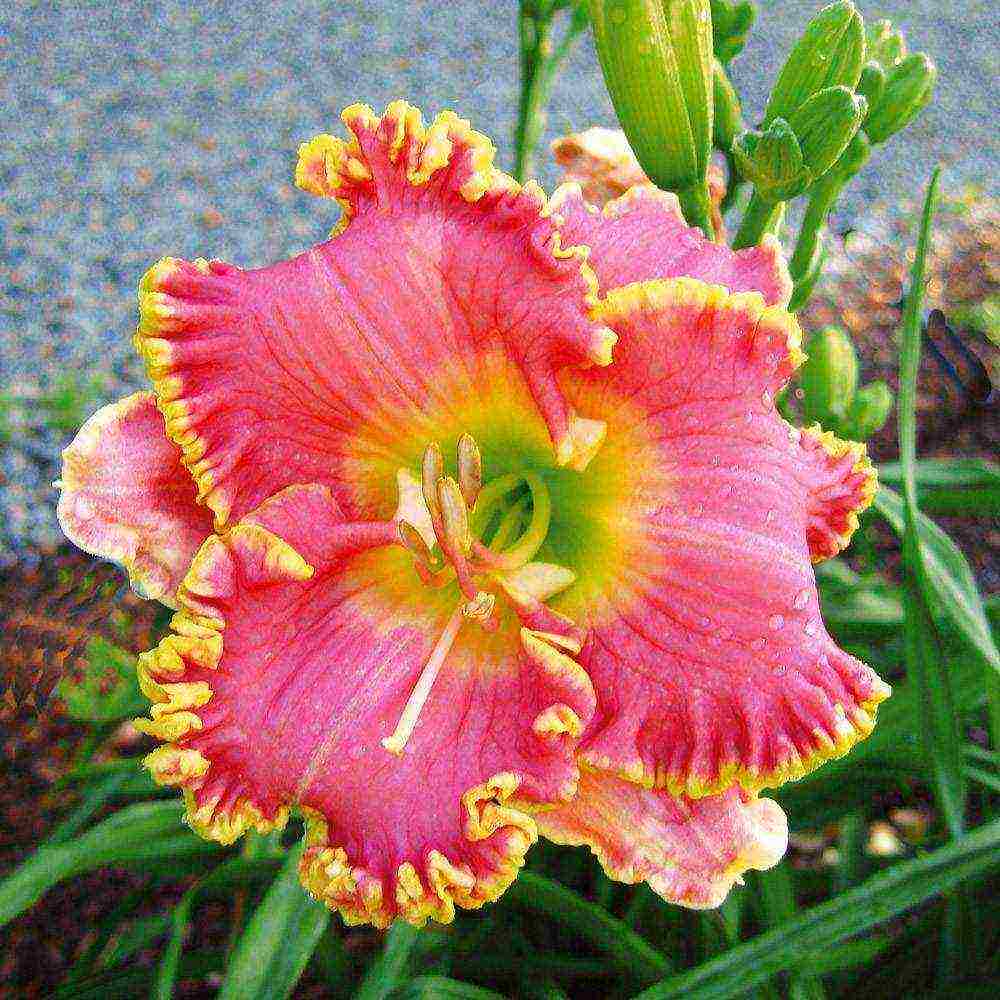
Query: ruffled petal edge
pixel 222 808
pixel 844 485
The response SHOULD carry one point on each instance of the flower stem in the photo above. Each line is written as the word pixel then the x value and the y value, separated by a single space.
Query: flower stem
pixel 540 63
pixel 761 217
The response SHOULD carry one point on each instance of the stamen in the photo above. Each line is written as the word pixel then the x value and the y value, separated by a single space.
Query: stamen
pixel 396 743
pixel 431 471
pixel 470 469
pixel 413 542
pixel 454 516
pixel 534 535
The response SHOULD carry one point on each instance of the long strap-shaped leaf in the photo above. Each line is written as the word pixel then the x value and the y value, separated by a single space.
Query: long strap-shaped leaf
pixel 278 941
pixel 616 939
pixel 880 898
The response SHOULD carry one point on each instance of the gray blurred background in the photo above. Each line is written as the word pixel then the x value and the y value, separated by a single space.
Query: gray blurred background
pixel 134 130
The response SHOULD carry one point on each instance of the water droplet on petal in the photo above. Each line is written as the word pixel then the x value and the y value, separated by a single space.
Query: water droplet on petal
pixel 802 599
pixel 758 644
pixel 776 622
pixel 767 399
pixel 811 628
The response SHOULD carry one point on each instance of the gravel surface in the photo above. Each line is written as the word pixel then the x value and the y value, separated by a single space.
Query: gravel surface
pixel 134 130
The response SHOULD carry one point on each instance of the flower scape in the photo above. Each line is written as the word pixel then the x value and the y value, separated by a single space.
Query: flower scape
pixel 480 524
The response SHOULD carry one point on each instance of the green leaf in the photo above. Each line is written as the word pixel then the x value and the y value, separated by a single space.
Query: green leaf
pixel 279 939
pixel 615 938
pixel 139 834
pixel 951 486
pixel 777 896
pixel 442 988
pixel 956 597
pixel 882 897
pixel 93 801
pixel 107 689
pixel 227 876
pixel 941 727
pixel 387 969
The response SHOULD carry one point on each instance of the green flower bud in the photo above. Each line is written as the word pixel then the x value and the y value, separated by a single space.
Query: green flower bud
pixel 772 161
pixel 657 61
pixel 871 84
pixel 885 44
pixel 731 23
pixel 824 126
pixel 829 378
pixel 829 54
pixel 908 89
pixel 728 119
pixel 982 316
pixel 869 411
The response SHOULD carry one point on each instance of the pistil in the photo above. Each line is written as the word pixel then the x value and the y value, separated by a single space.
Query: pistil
pixel 396 743
pixel 460 511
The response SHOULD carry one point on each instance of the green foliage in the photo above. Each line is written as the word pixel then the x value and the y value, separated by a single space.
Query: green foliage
pixel 106 690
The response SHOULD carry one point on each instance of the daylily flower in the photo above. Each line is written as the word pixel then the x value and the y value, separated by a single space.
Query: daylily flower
pixel 479 520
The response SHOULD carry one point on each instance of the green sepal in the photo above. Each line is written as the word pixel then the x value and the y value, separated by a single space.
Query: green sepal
pixel 871 84
pixel 825 125
pixel 772 161
pixel 728 114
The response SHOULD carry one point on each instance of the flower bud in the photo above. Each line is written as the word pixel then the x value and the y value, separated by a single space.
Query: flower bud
pixel 731 22
pixel 829 54
pixel 829 378
pixel 908 88
pixel 728 118
pixel 656 56
pixel 869 411
pixel 772 161
pixel 825 125
pixel 885 44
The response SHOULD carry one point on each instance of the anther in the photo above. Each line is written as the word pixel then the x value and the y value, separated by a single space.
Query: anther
pixel 413 542
pixel 454 515
pixel 470 469
pixel 432 470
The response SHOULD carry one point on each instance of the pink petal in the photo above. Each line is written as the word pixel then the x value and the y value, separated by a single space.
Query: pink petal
pixel 706 646
pixel 301 637
pixel 690 851
pixel 642 235
pixel 449 279
pixel 127 497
